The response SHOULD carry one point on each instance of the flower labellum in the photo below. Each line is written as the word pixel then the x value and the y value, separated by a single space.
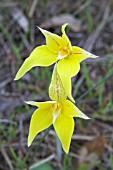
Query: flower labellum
pixel 56 89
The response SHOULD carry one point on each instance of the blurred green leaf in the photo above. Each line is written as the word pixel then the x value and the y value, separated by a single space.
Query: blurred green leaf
pixel 45 166
pixel 89 166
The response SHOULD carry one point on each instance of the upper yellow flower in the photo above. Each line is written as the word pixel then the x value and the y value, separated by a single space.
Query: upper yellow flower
pixel 57 49
pixel 59 112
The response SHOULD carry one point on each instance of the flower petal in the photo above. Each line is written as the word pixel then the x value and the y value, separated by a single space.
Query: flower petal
pixel 40 56
pixel 66 69
pixel 66 79
pixel 56 89
pixel 70 110
pixel 65 37
pixel 53 41
pixel 80 54
pixel 40 120
pixel 45 105
pixel 64 128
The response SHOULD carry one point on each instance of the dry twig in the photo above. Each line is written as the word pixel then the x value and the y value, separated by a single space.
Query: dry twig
pixel 49 158
pixel 8 161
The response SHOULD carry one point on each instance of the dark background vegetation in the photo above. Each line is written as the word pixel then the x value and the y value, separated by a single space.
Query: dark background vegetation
pixel 90 27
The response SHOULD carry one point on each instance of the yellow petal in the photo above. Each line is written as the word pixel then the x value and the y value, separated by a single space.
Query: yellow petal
pixel 40 120
pixel 65 37
pixel 40 56
pixel 56 89
pixel 66 69
pixel 45 105
pixel 64 128
pixel 70 110
pixel 79 54
pixel 74 66
pixel 53 41
pixel 66 80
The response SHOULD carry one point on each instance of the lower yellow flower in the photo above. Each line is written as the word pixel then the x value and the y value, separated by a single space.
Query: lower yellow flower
pixel 60 114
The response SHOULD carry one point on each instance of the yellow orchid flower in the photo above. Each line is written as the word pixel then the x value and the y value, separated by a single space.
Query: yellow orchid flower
pixel 57 49
pixel 60 114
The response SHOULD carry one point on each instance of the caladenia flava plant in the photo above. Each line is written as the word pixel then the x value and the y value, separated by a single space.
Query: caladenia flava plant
pixel 59 111
pixel 57 49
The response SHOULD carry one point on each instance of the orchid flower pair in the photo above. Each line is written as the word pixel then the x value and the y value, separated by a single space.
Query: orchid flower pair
pixel 59 111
